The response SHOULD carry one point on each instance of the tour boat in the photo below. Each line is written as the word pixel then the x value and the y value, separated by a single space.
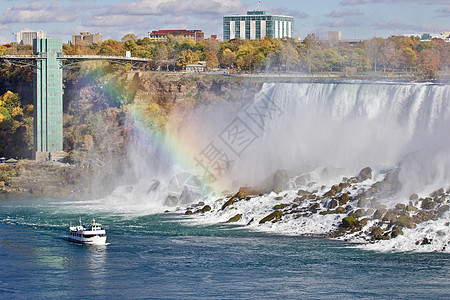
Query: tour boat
pixel 93 234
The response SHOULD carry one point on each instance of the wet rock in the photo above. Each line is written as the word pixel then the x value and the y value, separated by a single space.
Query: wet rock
pixel 274 217
pixel 357 213
pixel 349 222
pixel 228 203
pixel 440 199
pixel 332 203
pixel 428 203
pixel 234 219
pixel 389 216
pixel 205 208
pixel 280 206
pixel 278 198
pixel 404 221
pixel 379 213
pixel 365 174
pixel 442 210
pixel 414 197
pixel 411 208
pixel 423 216
pixel 302 192
pixel 362 222
pixel 343 199
pixel 344 185
pixel 340 210
pixel 188 212
pixel 437 193
pixel 243 192
pixel 362 202
pixel 400 206
pixel 396 232
pixel 425 241
pixel 376 233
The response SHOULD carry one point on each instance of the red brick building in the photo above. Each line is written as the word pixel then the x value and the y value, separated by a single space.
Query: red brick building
pixel 161 35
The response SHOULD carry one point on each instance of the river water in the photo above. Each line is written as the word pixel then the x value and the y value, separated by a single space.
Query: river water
pixel 164 256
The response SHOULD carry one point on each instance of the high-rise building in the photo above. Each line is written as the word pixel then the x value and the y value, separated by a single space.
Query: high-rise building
pixel 257 24
pixel 90 38
pixel 26 37
pixel 161 35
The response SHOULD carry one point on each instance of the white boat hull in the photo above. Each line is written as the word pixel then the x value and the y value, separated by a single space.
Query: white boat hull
pixel 97 240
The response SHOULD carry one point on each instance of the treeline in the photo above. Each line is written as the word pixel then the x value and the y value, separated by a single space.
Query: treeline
pixel 16 126
pixel 396 54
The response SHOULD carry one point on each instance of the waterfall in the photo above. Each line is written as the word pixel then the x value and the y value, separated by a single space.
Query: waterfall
pixel 348 126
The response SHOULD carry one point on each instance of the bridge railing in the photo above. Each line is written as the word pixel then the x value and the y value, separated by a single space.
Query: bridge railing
pixel 105 57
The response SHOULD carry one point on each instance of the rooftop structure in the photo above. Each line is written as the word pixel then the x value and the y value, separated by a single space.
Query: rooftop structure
pixel 429 36
pixel 26 37
pixel 257 24
pixel 90 38
pixel 161 35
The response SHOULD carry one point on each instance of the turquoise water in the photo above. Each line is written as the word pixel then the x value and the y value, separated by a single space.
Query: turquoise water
pixel 161 256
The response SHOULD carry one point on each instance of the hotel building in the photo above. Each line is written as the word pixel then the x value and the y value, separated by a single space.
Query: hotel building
pixel 257 24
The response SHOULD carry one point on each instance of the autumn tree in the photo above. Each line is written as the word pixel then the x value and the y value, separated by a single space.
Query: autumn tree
pixel 187 57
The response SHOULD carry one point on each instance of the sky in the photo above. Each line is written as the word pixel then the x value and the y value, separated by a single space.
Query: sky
pixel 356 19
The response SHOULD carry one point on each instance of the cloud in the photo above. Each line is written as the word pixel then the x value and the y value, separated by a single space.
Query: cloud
pixel 339 23
pixel 360 2
pixel 114 21
pixel 175 7
pixel 445 12
pixel 288 12
pixel 344 12
pixel 37 12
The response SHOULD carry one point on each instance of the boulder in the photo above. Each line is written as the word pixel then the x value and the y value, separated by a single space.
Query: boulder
pixel 332 203
pixel 362 202
pixel 228 203
pixel 365 174
pixel 442 210
pixel 343 199
pixel 437 193
pixel 379 213
pixel 349 222
pixel 188 212
pixel 275 216
pixel 376 233
pixel 280 206
pixel 363 222
pixel 400 206
pixel 411 208
pixel 396 232
pixel 389 216
pixel 428 203
pixel 340 210
pixel 234 219
pixel 205 208
pixel 302 192
pixel 414 197
pixel 405 222
pixel 440 199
